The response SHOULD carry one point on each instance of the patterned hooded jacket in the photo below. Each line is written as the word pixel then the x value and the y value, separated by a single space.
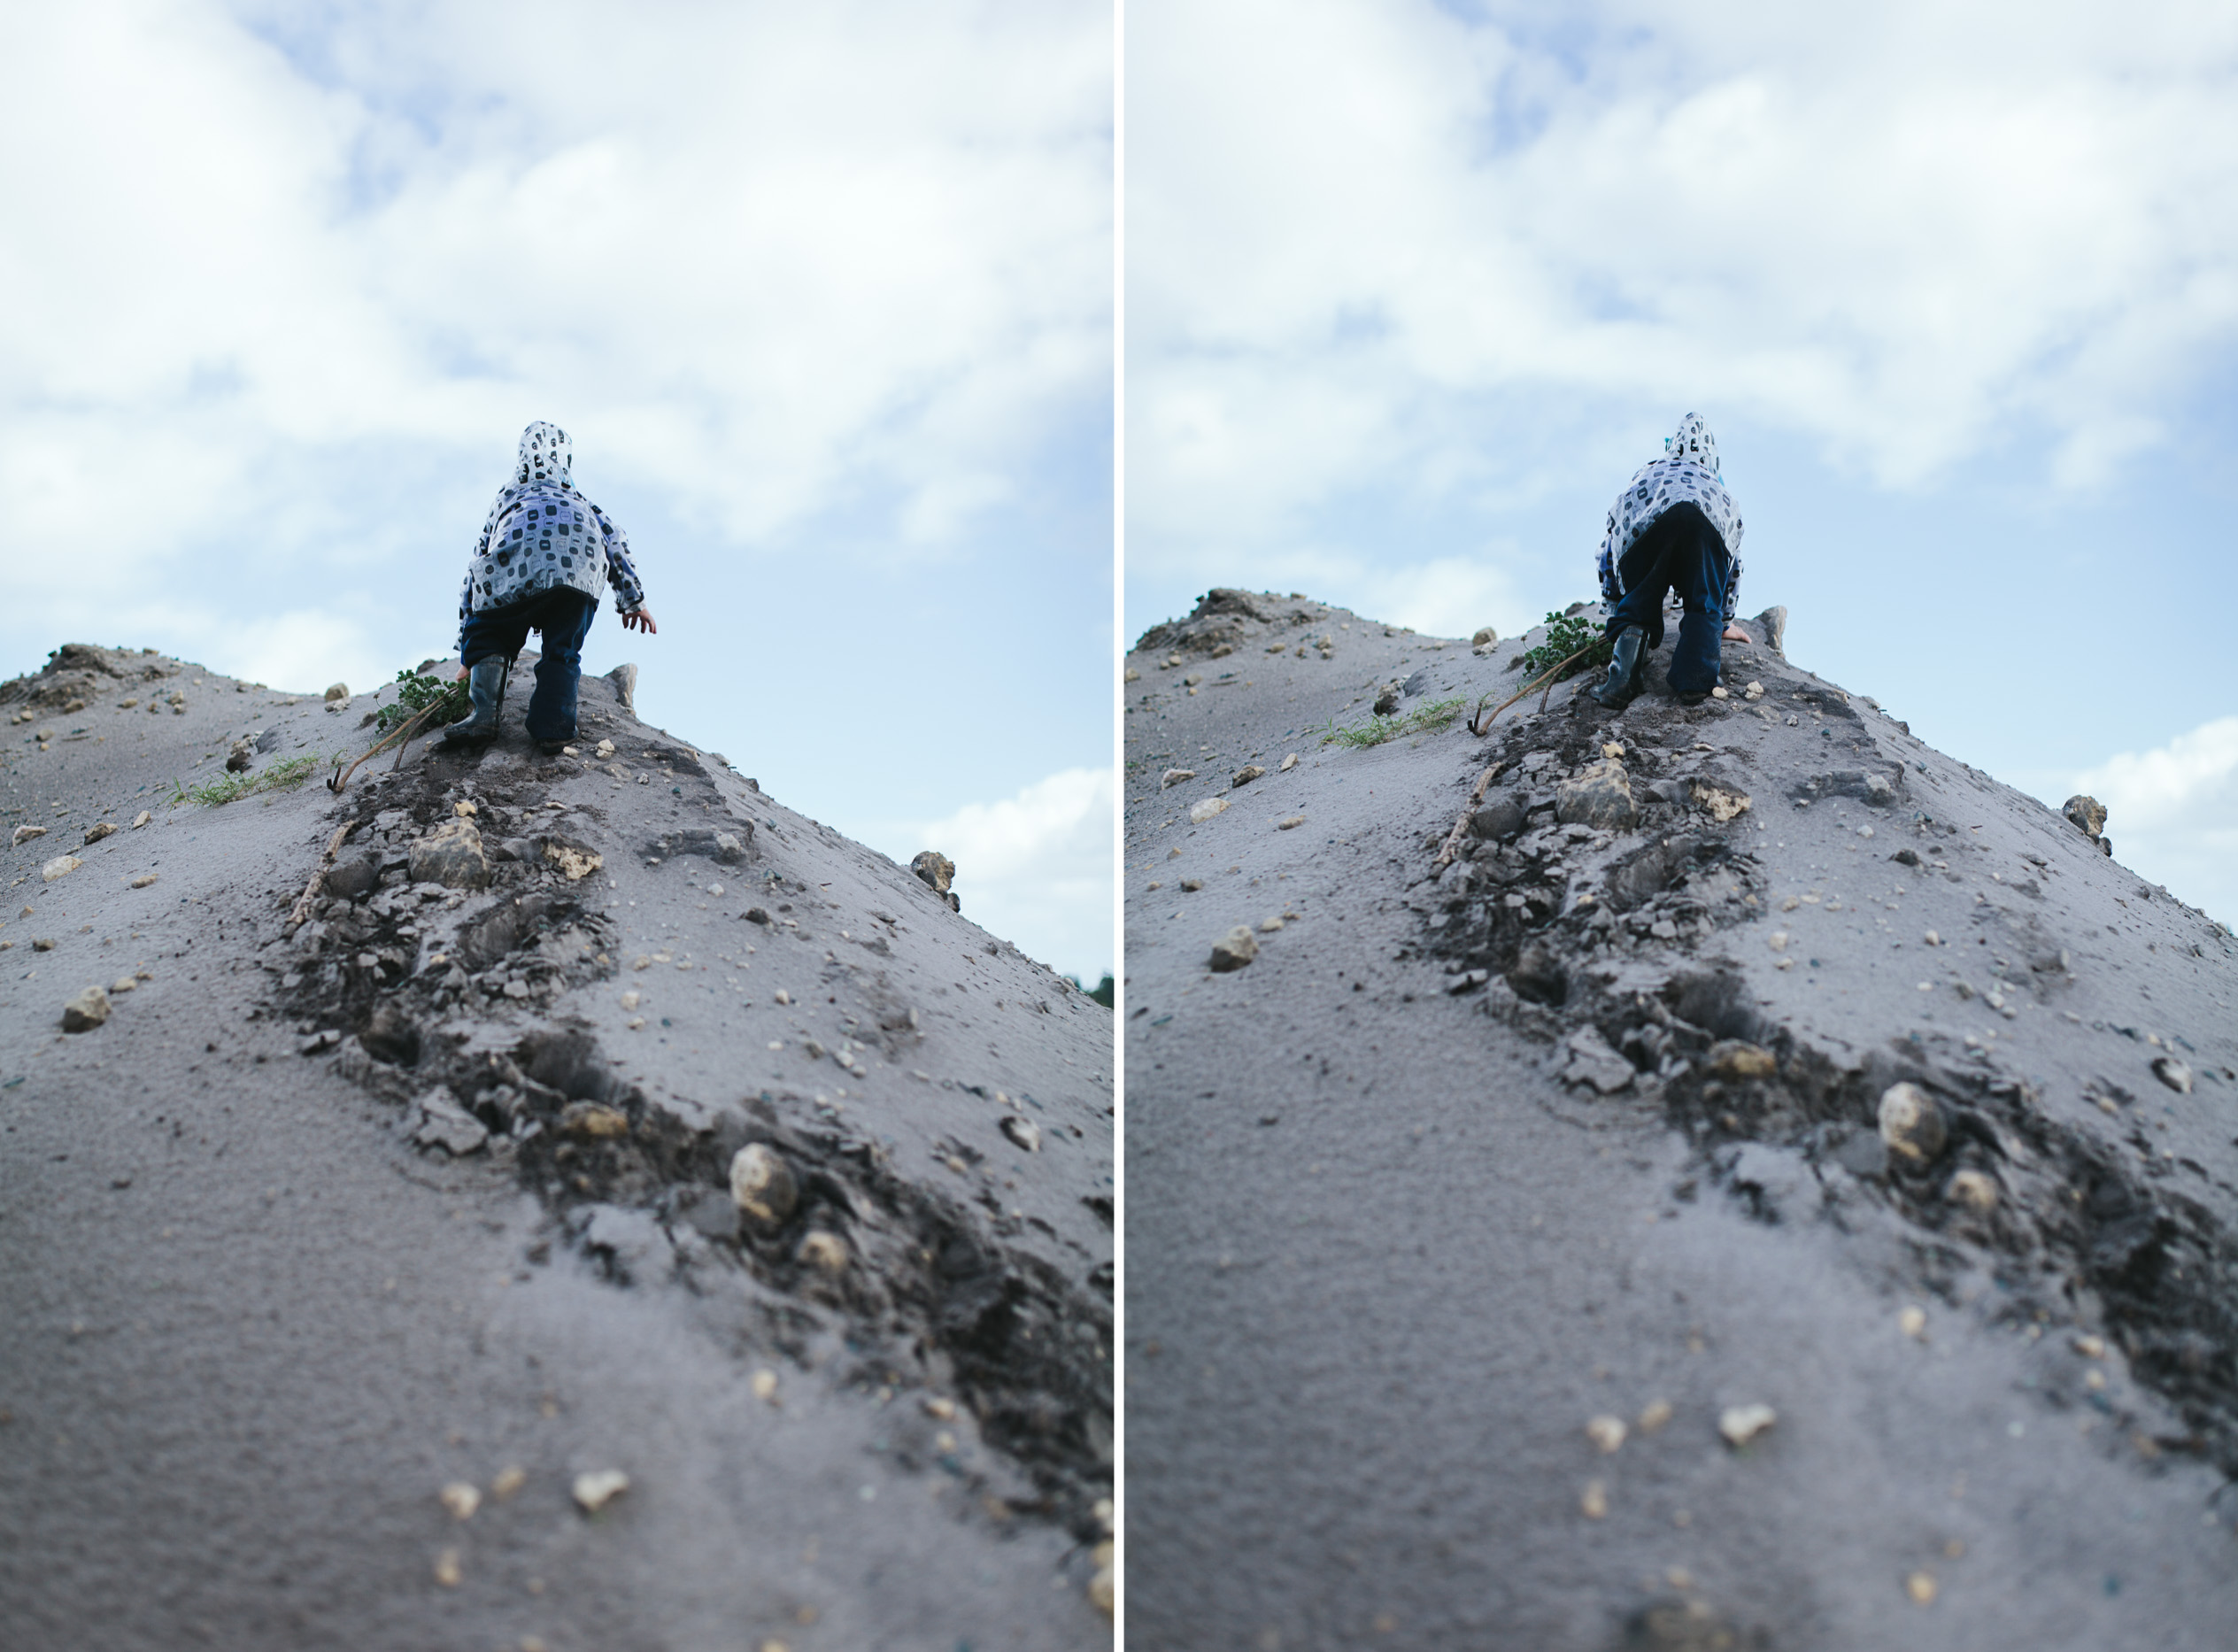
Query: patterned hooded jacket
pixel 1688 473
pixel 543 533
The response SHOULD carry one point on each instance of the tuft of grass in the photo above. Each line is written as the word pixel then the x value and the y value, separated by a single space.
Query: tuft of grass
pixel 1566 634
pixel 1422 720
pixel 281 776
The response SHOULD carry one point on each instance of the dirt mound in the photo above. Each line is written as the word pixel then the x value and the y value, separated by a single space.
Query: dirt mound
pixel 1557 1091
pixel 562 993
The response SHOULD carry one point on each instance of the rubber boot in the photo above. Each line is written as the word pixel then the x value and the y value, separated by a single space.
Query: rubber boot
pixel 1623 682
pixel 480 726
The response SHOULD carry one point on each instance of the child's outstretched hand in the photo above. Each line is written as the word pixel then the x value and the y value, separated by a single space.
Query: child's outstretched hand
pixel 640 619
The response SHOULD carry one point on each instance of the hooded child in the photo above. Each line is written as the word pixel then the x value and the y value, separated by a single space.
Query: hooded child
pixel 1673 527
pixel 544 555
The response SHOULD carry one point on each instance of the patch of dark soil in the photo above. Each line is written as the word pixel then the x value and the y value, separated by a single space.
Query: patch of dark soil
pixel 919 1291
pixel 2070 1232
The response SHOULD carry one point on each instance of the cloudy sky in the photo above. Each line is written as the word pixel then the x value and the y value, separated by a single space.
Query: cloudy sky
pixel 1413 288
pixel 822 293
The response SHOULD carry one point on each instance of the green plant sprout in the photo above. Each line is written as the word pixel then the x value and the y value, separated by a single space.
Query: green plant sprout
pixel 414 694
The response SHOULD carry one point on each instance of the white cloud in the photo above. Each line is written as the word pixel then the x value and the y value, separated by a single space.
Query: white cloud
pixel 766 258
pixel 1036 868
pixel 2173 813
pixel 1383 247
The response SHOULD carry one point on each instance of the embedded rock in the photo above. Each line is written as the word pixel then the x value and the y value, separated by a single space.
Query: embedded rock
pixel 1600 795
pixel 451 855
pixel 762 1184
pixel 935 869
pixel 445 1124
pixel 1233 951
pixel 1911 1124
pixel 86 1011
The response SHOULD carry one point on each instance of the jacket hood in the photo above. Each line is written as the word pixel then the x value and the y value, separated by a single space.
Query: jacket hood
pixel 1693 441
pixel 546 455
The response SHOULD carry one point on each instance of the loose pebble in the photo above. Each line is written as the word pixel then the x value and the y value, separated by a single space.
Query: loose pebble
pixel 1233 951
pixel 1974 1190
pixel 762 1184
pixel 1595 1503
pixel 1606 1432
pixel 1741 1424
pixel 447 1571
pixel 1921 1586
pixel 764 1384
pixel 826 1253
pixel 1656 1417
pixel 1912 1322
pixel 510 1479
pixel 461 1500
pixel 1103 1588
pixel 2172 1073
pixel 1912 1122
pixel 595 1491
pixel 86 1010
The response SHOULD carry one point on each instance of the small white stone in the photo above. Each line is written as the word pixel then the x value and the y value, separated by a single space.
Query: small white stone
pixel 1912 1322
pixel 595 1491
pixel 1741 1424
pixel 1606 1432
pixel 461 1500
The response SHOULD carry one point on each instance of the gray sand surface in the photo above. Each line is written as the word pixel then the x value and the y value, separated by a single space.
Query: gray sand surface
pixel 1584 1125
pixel 257 1321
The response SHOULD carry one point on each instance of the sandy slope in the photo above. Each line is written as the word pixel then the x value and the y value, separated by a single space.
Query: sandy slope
pixel 1582 1124
pixel 255 1326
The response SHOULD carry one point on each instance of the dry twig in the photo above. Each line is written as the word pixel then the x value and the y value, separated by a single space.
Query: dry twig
pixel 1451 845
pixel 1549 678
pixel 341 775
pixel 302 910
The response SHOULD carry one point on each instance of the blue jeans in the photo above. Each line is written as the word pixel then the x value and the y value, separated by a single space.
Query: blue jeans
pixel 563 617
pixel 1679 552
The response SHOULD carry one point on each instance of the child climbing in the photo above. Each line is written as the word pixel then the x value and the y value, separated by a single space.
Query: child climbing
pixel 1674 527
pixel 544 555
